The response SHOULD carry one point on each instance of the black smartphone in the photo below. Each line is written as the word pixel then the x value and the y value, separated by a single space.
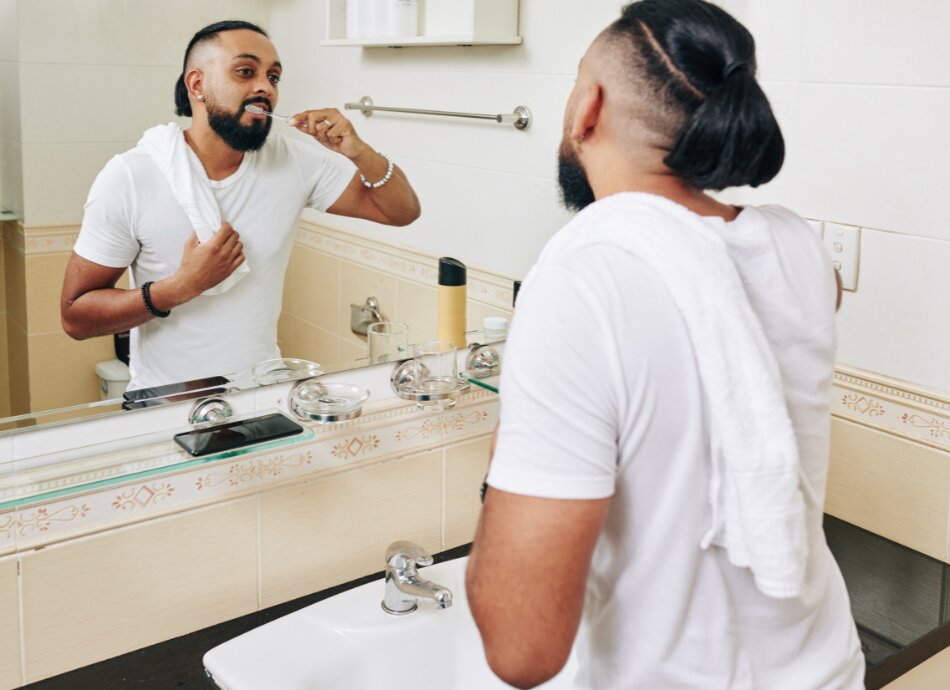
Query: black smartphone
pixel 237 434
pixel 174 388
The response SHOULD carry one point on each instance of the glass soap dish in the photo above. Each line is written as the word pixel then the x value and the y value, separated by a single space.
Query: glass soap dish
pixel 283 370
pixel 317 401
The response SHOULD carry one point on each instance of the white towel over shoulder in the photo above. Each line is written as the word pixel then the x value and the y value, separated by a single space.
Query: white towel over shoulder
pixel 758 508
pixel 181 168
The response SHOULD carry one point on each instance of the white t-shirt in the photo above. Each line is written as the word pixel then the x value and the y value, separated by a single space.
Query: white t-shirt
pixel 600 396
pixel 132 219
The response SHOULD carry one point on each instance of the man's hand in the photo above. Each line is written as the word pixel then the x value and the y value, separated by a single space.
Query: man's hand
pixel 204 265
pixel 332 129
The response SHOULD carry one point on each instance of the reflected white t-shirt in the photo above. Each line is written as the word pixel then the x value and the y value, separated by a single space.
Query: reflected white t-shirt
pixel 601 396
pixel 132 219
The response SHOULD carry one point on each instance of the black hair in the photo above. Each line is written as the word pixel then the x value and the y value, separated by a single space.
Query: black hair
pixel 182 105
pixel 701 62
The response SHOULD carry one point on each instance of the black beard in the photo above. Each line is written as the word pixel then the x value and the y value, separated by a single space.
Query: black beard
pixel 576 192
pixel 239 137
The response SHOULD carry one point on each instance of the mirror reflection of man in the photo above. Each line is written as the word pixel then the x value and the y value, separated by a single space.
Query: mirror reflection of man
pixel 134 220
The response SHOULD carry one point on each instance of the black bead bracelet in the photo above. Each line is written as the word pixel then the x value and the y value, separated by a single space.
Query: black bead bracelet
pixel 147 298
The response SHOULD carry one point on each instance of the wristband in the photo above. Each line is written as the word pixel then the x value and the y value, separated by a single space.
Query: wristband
pixel 147 298
pixel 389 173
pixel 483 490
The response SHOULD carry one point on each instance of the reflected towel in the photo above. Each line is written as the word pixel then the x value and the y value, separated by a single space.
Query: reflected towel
pixel 758 509
pixel 166 145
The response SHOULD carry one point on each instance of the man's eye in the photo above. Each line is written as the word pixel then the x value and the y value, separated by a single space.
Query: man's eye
pixel 245 71
pixel 274 78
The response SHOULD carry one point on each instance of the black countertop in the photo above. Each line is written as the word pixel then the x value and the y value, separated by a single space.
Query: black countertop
pixel 900 600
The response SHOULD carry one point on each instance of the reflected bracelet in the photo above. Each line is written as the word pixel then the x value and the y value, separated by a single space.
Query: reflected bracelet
pixel 147 298
pixel 389 173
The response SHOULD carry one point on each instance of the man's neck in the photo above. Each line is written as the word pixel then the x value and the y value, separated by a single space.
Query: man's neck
pixel 219 160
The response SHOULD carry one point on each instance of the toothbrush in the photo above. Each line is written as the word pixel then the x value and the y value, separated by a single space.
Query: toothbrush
pixel 257 110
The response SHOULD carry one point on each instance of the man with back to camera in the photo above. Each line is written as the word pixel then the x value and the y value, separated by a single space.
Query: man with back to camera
pixel 661 498
pixel 135 219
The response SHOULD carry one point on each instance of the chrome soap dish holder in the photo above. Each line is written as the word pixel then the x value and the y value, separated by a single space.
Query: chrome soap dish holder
pixel 312 400
pixel 411 381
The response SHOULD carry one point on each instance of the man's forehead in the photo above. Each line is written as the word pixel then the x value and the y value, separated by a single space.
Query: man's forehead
pixel 243 43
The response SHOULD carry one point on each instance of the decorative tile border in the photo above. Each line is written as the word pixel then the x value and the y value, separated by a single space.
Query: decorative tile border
pixel 895 407
pixel 386 432
pixel 491 288
pixel 40 239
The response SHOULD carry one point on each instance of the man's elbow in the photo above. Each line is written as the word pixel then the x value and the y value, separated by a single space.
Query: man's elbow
pixel 407 217
pixel 72 329
pixel 523 671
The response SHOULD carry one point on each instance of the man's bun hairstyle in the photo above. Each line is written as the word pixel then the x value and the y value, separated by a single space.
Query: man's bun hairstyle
pixel 182 104
pixel 702 61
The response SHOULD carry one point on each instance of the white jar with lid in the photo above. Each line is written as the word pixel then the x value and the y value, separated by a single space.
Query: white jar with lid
pixel 495 328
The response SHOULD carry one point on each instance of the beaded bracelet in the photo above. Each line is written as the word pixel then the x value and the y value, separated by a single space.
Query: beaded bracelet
pixel 147 298
pixel 389 173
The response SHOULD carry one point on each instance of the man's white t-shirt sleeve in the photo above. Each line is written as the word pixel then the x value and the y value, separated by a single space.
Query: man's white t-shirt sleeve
pixel 105 236
pixel 557 433
pixel 327 175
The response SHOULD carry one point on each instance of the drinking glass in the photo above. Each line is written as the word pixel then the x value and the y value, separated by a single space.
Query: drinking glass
pixel 388 341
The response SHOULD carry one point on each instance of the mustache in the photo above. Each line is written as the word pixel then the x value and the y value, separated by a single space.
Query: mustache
pixel 260 100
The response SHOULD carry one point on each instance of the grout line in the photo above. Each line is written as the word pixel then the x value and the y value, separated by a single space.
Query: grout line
pixel 260 579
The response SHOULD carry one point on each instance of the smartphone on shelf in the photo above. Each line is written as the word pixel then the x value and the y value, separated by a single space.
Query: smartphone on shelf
pixel 233 435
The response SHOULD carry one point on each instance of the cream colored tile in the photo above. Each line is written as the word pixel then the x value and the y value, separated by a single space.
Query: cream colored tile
pixel 284 333
pixel 4 360
pixel 55 102
pixel 476 312
pixel 44 283
pixel 352 354
pixel 11 169
pixel 890 486
pixel 151 101
pixel 288 283
pixel 95 598
pixel 416 306
pixel 9 35
pixel 3 268
pixel 9 624
pixel 159 32
pixel 57 178
pixel 90 32
pixel 930 675
pixel 466 465
pixel 5 409
pixel 18 349
pixel 14 264
pixel 312 343
pixel 10 127
pixel 335 529
pixel 62 370
pixel 358 283
pixel 315 287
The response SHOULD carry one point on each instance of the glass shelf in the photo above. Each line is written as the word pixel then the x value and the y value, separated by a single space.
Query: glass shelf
pixel 489 384
pixel 49 477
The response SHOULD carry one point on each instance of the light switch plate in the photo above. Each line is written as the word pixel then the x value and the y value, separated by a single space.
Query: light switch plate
pixel 844 245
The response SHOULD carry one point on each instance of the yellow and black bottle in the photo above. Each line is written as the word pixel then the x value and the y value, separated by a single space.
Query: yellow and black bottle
pixel 451 315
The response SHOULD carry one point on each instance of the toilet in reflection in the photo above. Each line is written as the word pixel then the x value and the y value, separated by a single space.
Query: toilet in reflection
pixel 113 374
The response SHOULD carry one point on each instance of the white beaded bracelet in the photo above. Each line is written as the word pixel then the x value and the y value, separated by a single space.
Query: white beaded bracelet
pixel 389 173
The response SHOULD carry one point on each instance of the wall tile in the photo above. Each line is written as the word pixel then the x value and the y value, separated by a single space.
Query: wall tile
pixel 466 465
pixel 10 127
pixel 356 354
pixel 11 162
pixel 889 486
pixel 57 178
pixel 931 674
pixel 334 529
pixel 91 32
pixel 153 102
pixel 777 26
pixel 889 301
pixel 4 362
pixel 876 42
pixel 18 351
pixel 57 103
pixel 62 370
pixel 14 268
pixel 44 283
pixel 315 288
pixel 9 35
pixel 137 586
pixel 9 624
pixel 5 409
pixel 356 284
pixel 311 343
pixel 891 183
pixel 169 26
pixel 416 305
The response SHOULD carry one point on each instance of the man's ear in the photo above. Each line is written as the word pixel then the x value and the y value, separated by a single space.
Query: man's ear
pixel 194 82
pixel 587 113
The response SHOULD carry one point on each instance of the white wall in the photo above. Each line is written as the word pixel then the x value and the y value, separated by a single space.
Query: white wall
pixel 861 88
pixel 11 189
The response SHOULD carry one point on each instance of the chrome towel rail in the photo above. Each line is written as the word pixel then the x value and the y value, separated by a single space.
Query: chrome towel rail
pixel 520 118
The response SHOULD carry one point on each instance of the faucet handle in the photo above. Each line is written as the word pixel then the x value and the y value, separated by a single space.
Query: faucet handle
pixel 403 555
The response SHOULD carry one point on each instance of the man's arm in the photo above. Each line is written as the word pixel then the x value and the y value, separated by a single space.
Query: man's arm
pixel 394 203
pixel 526 581
pixel 91 305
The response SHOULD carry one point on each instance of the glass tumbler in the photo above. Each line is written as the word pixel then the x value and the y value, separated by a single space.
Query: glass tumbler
pixel 388 341
pixel 439 372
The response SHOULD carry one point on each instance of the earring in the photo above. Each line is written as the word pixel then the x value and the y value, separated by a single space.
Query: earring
pixel 580 139
pixel 200 97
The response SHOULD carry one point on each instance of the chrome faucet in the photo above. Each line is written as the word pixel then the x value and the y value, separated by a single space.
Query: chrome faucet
pixel 403 584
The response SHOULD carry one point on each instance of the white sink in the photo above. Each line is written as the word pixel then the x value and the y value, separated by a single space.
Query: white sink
pixel 348 642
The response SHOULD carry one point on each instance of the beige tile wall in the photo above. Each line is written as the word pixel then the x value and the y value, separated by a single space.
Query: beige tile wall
pixel 891 486
pixel 94 598
pixel 4 366
pixel 466 465
pixel 933 674
pixel 319 289
pixel 9 624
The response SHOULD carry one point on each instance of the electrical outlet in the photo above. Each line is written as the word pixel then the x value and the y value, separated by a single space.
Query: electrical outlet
pixel 844 245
